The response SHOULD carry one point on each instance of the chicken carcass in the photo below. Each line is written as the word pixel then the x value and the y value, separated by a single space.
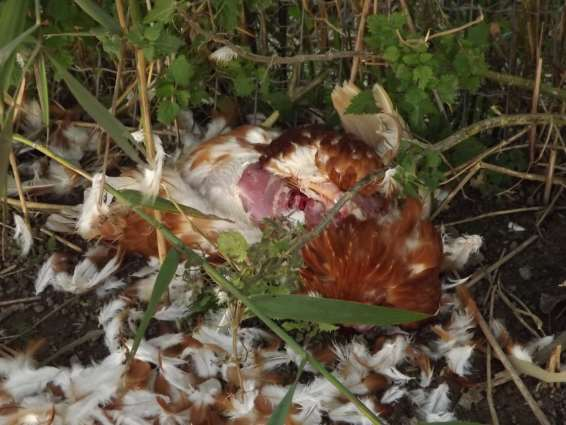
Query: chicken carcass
pixel 378 250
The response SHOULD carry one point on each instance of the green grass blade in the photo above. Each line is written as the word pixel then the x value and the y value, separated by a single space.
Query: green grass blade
pixel 5 146
pixel 42 89
pixel 450 423
pixel 279 415
pixel 96 110
pixel 164 277
pixel 164 205
pixel 99 15
pixel 326 310
pixel 12 21
pixel 9 48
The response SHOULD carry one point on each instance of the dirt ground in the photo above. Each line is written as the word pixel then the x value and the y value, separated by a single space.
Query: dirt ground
pixel 69 323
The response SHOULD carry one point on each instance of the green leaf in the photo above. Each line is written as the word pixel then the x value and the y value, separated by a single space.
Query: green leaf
pixel 9 48
pixel 153 32
pixel 42 89
pixel 423 74
pixel 167 111
pixel 362 103
pixel 183 98
pixel 326 310
pixel 12 21
pixel 96 110
pixel 243 85
pixel 161 12
pixel 99 15
pixel 447 88
pixel 279 415
pixel 233 245
pixel 164 277
pixel 5 148
pixel 450 423
pixel 228 12
pixel 391 54
pixel 161 204
pixel 167 44
pixel 181 71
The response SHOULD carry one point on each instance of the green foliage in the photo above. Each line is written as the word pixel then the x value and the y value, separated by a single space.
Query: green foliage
pixel 155 39
pixel 233 246
pixel 422 73
pixel 227 13
pixel 362 103
pixel 417 167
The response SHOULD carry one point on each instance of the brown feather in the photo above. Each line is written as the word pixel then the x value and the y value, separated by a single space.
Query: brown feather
pixel 393 263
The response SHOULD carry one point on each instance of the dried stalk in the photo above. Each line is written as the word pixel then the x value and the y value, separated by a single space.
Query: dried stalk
pixel 534 107
pixel 467 300
pixel 495 122
pixel 359 41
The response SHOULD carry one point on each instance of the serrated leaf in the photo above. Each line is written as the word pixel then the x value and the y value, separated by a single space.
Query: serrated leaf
pixel 362 103
pixel 167 44
pixel 181 70
pixel 391 54
pixel 164 277
pixel 279 415
pixel 183 98
pixel 326 310
pixel 243 85
pixel 161 204
pixel 94 108
pixel 161 12
pixel 423 74
pixel 167 111
pixel 153 32
pixel 228 13
pixel 233 245
pixel 99 15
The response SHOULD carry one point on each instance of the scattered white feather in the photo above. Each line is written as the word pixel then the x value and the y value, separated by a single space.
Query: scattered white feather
pixel 434 406
pixel 457 251
pixel 223 55
pixel 393 394
pixel 520 352
pixel 389 186
pixel 514 227
pixel 45 276
pixel 215 127
pixel 22 235
pixel 172 313
pixel 152 175
pixel 26 381
pixel 349 413
pixel 93 211
pixel 458 359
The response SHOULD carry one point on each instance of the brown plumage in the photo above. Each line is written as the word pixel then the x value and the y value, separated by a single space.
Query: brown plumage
pixel 392 261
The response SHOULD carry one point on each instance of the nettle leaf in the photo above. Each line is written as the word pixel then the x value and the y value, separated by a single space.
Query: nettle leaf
pixel 167 111
pixel 168 44
pixel 244 85
pixel 153 32
pixel 228 13
pixel 233 246
pixel 391 54
pixel 447 88
pixel 162 11
pixel 181 71
pixel 423 75
pixel 362 103
pixel 183 98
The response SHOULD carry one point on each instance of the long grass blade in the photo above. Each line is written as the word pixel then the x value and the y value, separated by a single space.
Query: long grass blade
pixel 325 310
pixel 279 415
pixel 99 15
pixel 12 20
pixel 5 146
pixel 9 48
pixel 164 277
pixel 161 204
pixel 42 89
pixel 115 128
